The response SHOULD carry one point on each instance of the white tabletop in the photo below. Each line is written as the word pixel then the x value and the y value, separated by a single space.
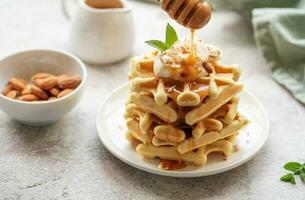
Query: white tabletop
pixel 67 160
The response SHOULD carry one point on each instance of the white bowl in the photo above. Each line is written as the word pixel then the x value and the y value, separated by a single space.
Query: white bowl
pixel 25 64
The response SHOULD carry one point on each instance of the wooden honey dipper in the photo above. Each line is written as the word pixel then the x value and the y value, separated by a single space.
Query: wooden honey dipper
pixel 192 14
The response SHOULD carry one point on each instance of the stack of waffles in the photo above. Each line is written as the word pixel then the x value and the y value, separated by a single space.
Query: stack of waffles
pixel 182 105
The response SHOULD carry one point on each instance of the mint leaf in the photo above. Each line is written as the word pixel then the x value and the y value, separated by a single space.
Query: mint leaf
pixel 157 44
pixel 171 36
pixel 289 178
pixel 302 175
pixel 292 166
pixel 298 171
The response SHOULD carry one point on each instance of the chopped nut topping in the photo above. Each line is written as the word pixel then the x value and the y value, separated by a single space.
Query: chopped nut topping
pixel 207 67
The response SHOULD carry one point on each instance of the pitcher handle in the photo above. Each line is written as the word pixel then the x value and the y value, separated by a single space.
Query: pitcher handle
pixel 65 8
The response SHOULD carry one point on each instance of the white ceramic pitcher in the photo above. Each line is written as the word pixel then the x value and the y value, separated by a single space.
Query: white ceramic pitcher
pixel 99 36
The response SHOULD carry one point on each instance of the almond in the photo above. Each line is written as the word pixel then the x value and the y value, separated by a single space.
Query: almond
pixel 59 78
pixel 36 82
pixel 47 83
pixel 7 89
pixel 39 92
pixel 23 81
pixel 69 82
pixel 12 94
pixel 64 93
pixel 17 84
pixel 28 97
pixel 52 98
pixel 41 76
pixel 26 90
pixel 54 91
pixel 62 76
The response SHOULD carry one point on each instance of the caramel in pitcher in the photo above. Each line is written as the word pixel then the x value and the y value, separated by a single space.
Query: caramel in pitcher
pixel 100 4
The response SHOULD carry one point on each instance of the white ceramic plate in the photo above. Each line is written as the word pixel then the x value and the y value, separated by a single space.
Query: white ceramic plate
pixel 111 129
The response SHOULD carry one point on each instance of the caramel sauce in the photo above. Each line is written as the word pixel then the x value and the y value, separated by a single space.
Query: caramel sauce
pixel 102 4
pixel 174 88
pixel 171 165
pixel 187 72
pixel 150 85
pixel 146 65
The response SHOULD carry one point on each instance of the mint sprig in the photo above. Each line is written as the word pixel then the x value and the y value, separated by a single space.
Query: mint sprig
pixel 292 166
pixel 157 44
pixel 289 178
pixel 297 169
pixel 170 38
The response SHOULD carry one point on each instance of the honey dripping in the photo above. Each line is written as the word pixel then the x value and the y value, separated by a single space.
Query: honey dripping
pixel 192 42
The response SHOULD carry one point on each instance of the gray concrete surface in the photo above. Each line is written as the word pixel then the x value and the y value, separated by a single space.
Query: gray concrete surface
pixel 67 160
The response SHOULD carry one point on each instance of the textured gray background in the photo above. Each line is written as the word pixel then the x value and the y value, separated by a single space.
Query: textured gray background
pixel 67 160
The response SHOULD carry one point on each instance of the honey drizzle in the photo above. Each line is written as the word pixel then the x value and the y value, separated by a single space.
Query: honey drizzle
pixel 192 50
pixel 191 59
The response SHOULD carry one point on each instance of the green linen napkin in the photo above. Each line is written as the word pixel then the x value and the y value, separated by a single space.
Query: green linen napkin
pixel 280 35
pixel 246 6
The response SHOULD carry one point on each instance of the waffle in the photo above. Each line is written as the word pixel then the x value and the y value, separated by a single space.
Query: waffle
pixel 184 115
